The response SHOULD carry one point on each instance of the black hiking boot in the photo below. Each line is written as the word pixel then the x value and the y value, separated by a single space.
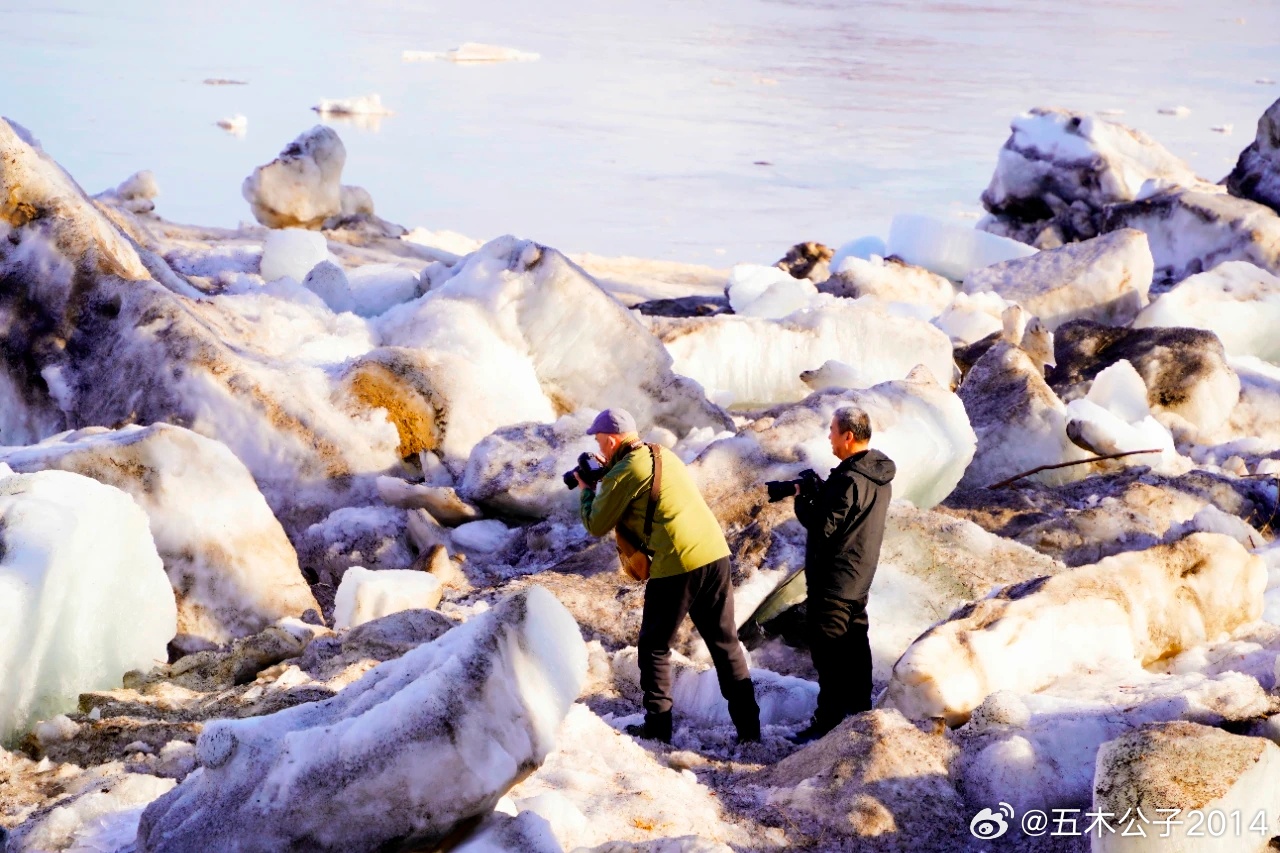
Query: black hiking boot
pixel 654 727
pixel 816 730
pixel 744 711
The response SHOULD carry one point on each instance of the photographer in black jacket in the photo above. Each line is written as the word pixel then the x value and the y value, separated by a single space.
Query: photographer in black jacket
pixel 845 518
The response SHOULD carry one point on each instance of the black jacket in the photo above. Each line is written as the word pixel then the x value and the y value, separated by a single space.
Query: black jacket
pixel 845 518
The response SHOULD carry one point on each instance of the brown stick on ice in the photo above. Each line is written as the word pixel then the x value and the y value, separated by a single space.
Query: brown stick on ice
pixel 1017 477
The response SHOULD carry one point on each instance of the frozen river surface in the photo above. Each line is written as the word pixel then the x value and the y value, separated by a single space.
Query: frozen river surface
pixel 700 130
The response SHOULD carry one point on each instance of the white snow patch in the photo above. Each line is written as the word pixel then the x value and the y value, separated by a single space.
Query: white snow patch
pixel 920 293
pixel 364 595
pixel 865 248
pixel 292 329
pixel 918 423
pixel 1048 761
pixel 722 353
pixel 370 534
pixel 1237 301
pixel 505 831
pixel 482 537
pixel 1124 611
pixel 1105 280
pixel 135 193
pixel 103 820
pixel 600 786
pixel 55 730
pixel 949 249
pixel 697 440
pixel 769 292
pixel 139 185
pixel 329 281
pixel 1210 519
pixel 215 259
pixel 292 252
pixel 972 316
pixel 64 631
pixel 445 241
pixel 695 691
pixel 377 287
pixel 1271 557
pixel 1114 418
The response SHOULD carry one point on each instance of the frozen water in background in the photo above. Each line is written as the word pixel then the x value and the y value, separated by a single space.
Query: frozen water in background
pixel 715 132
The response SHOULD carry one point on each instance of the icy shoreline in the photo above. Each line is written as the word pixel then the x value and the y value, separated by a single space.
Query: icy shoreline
pixel 338 421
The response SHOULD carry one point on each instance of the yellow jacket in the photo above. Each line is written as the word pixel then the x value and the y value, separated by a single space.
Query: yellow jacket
pixel 686 536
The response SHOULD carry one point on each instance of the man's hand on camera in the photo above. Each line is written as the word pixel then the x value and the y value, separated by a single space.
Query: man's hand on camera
pixel 582 482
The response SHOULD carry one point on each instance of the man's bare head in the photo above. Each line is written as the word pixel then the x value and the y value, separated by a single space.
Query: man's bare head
pixel 850 432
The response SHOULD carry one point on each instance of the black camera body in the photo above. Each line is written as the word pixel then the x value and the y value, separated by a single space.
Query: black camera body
pixel 783 489
pixel 589 472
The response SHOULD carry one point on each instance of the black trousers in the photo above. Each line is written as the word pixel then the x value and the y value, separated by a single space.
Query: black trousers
pixel 841 655
pixel 706 595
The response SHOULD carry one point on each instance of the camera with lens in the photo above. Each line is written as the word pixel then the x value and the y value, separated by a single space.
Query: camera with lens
pixel 782 489
pixel 587 468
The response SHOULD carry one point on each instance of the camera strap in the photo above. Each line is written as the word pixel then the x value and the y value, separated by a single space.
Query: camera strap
pixel 654 488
